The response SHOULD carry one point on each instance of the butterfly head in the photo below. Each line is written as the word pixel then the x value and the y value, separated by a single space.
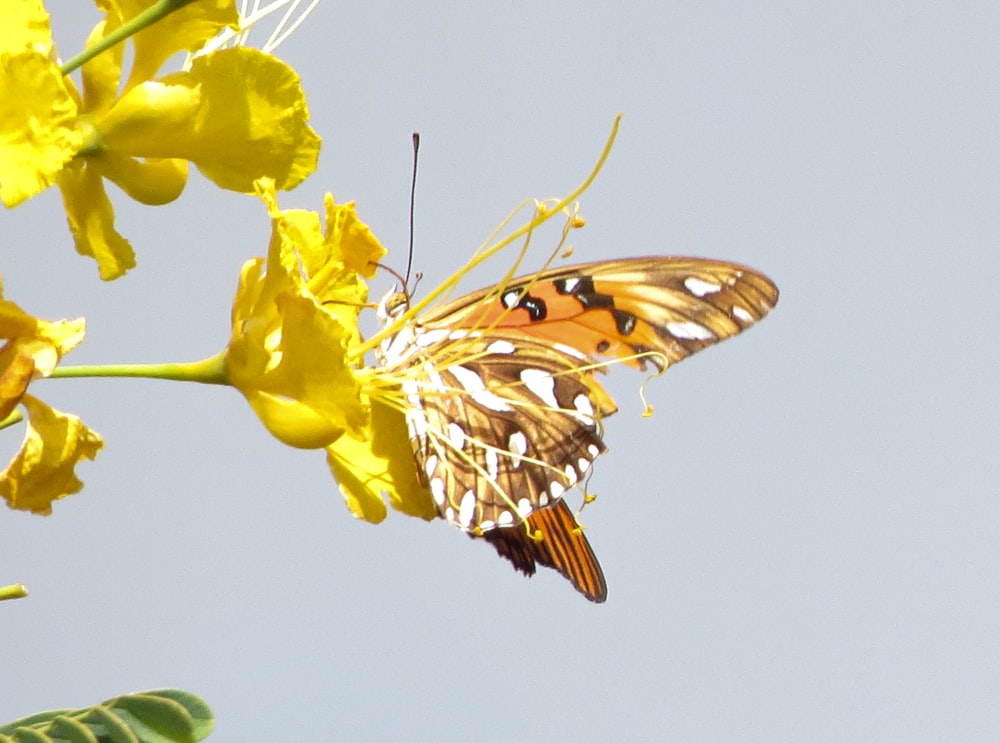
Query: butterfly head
pixel 392 305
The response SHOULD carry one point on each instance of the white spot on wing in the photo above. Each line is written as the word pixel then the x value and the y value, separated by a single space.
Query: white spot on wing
pixel 506 518
pixel 557 489
pixel 397 348
pixel 584 410
pixel 417 423
pixel 542 385
pixel 594 450
pixel 411 389
pixel 582 465
pixel 437 490
pixel 543 499
pixel 434 380
pixel 430 466
pixel 487 525
pixel 742 315
pixel 571 476
pixel 430 337
pixel 456 435
pixel 690 331
pixel 570 285
pixel 467 508
pixel 473 384
pixel 700 288
pixel 501 347
pixel 524 507
pixel 518 443
pixel 492 464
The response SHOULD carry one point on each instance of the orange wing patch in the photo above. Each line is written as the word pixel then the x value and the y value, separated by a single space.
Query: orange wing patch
pixel 563 547
pixel 660 310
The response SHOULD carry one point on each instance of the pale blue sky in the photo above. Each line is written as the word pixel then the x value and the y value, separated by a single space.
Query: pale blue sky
pixel 801 544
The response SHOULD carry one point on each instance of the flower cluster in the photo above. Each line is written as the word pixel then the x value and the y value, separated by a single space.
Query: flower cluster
pixel 141 131
pixel 294 356
pixel 43 470
pixel 240 116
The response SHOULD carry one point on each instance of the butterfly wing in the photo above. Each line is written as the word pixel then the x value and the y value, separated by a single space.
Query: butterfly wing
pixel 657 309
pixel 501 429
pixel 501 400
pixel 562 547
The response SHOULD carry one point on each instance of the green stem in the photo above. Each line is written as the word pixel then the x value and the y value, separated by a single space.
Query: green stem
pixel 16 591
pixel 16 416
pixel 206 371
pixel 148 17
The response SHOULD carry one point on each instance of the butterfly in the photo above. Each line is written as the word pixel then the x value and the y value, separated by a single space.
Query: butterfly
pixel 501 398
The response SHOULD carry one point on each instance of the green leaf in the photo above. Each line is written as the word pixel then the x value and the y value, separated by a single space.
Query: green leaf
pixel 112 728
pixel 27 735
pixel 160 716
pixel 73 730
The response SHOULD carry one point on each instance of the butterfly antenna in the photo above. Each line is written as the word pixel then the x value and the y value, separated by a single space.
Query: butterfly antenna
pixel 413 197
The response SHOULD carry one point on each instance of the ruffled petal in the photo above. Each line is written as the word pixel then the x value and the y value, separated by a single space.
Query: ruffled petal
pixel 288 351
pixel 44 469
pixel 369 471
pixel 38 130
pixel 92 221
pixel 234 133
pixel 184 30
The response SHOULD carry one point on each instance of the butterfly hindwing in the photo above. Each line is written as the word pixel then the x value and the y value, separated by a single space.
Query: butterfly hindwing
pixel 562 547
pixel 502 428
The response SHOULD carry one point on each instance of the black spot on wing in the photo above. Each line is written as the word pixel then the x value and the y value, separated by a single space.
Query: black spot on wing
pixel 535 307
pixel 624 321
pixel 582 289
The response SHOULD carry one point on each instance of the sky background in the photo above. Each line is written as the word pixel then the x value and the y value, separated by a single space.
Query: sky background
pixel 800 545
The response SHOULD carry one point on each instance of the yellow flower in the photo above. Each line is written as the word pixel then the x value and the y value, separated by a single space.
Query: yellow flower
pixel 293 319
pixel 295 323
pixel 43 470
pixel 38 130
pixel 237 114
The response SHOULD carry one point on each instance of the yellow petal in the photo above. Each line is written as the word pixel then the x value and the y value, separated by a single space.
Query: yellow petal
pixel 292 422
pixel 16 371
pixel 238 114
pixel 153 182
pixel 32 349
pixel 43 470
pixel 287 354
pixel 102 75
pixel 383 466
pixel 297 356
pixel 38 131
pixel 25 25
pixel 184 30
pixel 350 240
pixel 92 221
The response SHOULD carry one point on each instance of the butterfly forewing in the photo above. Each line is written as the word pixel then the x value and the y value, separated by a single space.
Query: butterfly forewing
pixel 659 310
pixel 501 400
